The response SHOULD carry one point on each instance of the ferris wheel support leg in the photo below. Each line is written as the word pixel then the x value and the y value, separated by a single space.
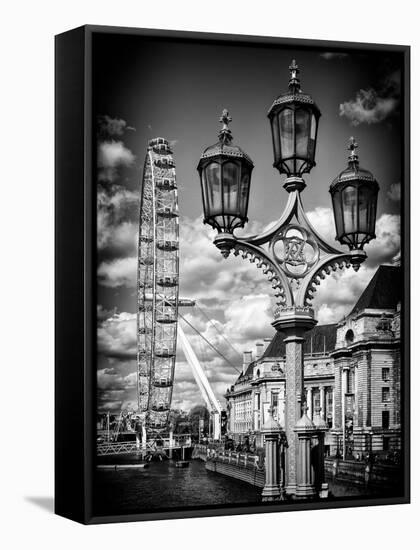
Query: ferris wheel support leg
pixel 199 374
pixel 143 437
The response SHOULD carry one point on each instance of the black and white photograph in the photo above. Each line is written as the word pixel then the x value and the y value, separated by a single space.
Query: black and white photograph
pixel 250 274
pixel 209 268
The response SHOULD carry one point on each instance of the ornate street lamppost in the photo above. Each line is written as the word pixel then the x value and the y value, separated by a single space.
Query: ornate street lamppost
pixel 291 253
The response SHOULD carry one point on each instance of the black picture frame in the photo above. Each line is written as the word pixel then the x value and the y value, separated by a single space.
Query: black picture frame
pixel 75 274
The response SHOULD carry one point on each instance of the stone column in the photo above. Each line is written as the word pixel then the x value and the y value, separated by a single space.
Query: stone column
pixel 309 401
pixel 319 463
pixel 338 390
pixel 345 374
pixel 356 397
pixel 272 489
pixel 322 402
pixel 305 482
pixel 293 322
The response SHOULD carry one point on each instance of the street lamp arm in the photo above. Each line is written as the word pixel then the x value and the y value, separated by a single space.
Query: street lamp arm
pixel 294 208
pixel 290 210
pixel 265 261
pixel 304 221
pixel 326 265
pixel 300 245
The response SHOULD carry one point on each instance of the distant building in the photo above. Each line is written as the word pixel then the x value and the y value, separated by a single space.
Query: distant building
pixel 352 375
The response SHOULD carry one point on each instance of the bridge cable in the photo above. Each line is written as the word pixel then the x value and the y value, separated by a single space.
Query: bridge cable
pixel 209 343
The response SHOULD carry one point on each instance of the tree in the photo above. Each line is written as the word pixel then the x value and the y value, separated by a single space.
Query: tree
pixel 196 413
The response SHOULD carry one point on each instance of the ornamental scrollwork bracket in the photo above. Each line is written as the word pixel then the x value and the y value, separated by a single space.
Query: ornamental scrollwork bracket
pixel 296 259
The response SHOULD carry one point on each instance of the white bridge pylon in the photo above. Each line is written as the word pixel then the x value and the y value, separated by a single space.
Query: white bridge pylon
pixel 206 390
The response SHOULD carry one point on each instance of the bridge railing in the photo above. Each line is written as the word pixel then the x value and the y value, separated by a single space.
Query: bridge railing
pixel 246 460
pixel 123 447
pixel 110 448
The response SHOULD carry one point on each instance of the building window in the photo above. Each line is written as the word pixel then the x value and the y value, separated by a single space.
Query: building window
pixel 257 401
pixel 385 374
pixel 385 420
pixel 274 403
pixel 385 395
pixel 349 337
pixel 329 399
pixel 316 400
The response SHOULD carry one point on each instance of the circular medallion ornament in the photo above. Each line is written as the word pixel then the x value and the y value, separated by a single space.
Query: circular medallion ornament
pixel 295 250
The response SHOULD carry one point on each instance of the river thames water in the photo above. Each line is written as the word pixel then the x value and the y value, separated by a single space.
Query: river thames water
pixel 162 487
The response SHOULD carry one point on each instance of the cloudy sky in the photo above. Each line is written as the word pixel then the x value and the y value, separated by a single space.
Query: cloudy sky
pixel 144 89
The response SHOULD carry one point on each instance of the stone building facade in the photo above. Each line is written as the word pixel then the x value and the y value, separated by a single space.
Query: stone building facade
pixel 351 376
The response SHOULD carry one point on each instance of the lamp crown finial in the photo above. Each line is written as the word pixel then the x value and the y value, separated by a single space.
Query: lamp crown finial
pixel 225 134
pixel 353 145
pixel 294 82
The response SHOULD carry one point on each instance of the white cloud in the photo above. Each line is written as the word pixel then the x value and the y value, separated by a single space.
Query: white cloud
pixel 117 336
pixel 379 251
pixel 371 106
pixel 388 241
pixel 394 192
pixel 206 275
pixel 108 126
pixel 249 317
pixel 117 205
pixel 112 155
pixel 337 293
pixel 118 272
pixel 322 220
pixel 119 239
pixel 114 381
pixel 117 221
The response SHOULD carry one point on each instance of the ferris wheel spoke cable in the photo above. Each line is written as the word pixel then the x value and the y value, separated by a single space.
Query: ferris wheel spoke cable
pixel 209 343
pixel 217 330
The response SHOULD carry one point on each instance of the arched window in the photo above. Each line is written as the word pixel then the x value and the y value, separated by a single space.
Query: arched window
pixel 349 337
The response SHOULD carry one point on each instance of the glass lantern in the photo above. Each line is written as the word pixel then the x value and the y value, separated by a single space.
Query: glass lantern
pixel 354 194
pixel 294 125
pixel 225 175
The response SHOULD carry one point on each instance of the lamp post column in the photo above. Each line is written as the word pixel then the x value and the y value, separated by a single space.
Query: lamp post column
pixel 293 322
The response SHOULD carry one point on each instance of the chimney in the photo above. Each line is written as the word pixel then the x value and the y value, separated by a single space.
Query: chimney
pixel 259 346
pixel 247 358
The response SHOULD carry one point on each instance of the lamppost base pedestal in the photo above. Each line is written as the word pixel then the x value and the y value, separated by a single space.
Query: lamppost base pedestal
pixel 305 492
pixel 273 494
pixel 291 489
pixel 324 491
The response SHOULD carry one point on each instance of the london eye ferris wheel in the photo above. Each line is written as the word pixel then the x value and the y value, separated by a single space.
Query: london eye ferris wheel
pixel 158 285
